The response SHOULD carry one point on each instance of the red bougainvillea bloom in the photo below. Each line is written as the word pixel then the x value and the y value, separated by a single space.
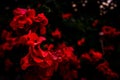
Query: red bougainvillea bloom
pixel 81 41
pixel 38 56
pixel 62 45
pixel 66 15
pixel 56 33
pixel 26 12
pixel 44 59
pixel 22 18
pixel 92 56
pixel 65 52
pixel 19 11
pixel 7 46
pixel 95 55
pixel 24 62
pixel 34 56
pixel 49 46
pixel 117 33
pixel 31 13
pixel 95 23
pixel 42 30
pixel 19 22
pixel 86 56
pixel 68 51
pixel 68 58
pixel 104 68
pixel 108 30
pixel 33 39
pixel 41 18
pixel 5 35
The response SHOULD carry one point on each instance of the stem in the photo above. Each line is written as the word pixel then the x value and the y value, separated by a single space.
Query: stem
pixel 102 46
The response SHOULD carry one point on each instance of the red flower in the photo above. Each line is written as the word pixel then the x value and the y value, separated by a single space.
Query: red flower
pixel 49 46
pixel 86 56
pixel 66 15
pixel 19 11
pixel 36 56
pixel 31 13
pixel 19 22
pixel 22 18
pixel 92 56
pixel 96 56
pixel 117 33
pixel 33 39
pixel 41 18
pixel 104 68
pixel 5 34
pixel 62 45
pixel 81 41
pixel 108 30
pixel 68 51
pixel 42 30
pixel 95 23
pixel 56 33
pixel 43 58
pixel 24 62
pixel 35 51
pixel 7 46
pixel 28 13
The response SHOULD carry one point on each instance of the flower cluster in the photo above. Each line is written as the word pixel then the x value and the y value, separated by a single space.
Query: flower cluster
pixel 104 68
pixel 48 60
pixel 26 19
pixel 25 26
pixel 95 57
pixel 43 58
pixel 92 56
pixel 108 30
